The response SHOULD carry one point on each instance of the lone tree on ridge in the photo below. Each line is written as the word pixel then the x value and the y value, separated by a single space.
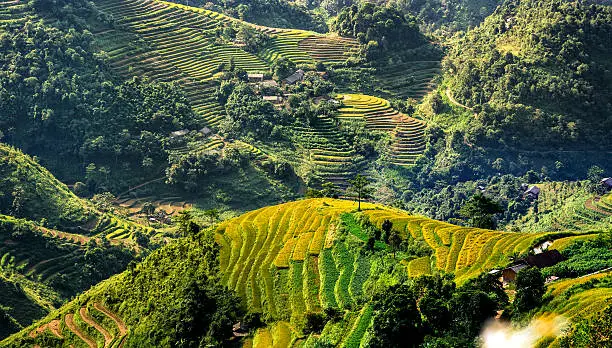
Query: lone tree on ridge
pixel 360 186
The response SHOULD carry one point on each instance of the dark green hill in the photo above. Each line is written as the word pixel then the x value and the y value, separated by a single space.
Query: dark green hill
pixel 28 190
pixel 537 75
pixel 54 245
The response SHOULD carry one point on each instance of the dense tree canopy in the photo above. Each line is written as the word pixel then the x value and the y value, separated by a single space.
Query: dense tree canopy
pixel 537 74
pixel 384 27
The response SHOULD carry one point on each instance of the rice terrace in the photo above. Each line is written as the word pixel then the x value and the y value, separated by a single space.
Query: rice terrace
pixel 305 174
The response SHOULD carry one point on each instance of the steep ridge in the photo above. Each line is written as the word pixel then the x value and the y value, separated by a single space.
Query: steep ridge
pixel 35 194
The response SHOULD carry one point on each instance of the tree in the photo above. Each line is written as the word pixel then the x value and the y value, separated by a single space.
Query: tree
pixel 186 225
pixel 480 209
pixel 395 241
pixel 397 321
pixel 594 175
pixel 314 322
pixel 529 289
pixel 212 215
pixel 328 189
pixel 470 309
pixel 387 225
pixel 360 186
pixel 148 208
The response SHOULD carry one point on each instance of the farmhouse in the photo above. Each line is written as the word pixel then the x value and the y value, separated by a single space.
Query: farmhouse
pixel 179 133
pixel 544 259
pixel 607 182
pixel 533 192
pixel 274 99
pixel 509 274
pixel 295 77
pixel 255 77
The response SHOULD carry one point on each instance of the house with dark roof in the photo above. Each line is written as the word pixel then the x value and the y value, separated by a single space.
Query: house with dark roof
pixel 509 274
pixel 293 78
pixel 533 192
pixel 607 182
pixel 544 259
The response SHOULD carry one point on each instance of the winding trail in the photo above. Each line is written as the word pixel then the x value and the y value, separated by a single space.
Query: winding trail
pixel 452 100
pixel 590 204
pixel 123 329
pixel 69 320
pixel 108 338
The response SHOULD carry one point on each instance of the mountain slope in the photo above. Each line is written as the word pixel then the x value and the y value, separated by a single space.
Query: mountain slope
pixel 283 261
pixel 171 42
pixel 54 245
pixel 28 190
pixel 537 75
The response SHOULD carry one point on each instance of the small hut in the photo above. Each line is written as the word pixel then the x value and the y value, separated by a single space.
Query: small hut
pixel 533 192
pixel 295 77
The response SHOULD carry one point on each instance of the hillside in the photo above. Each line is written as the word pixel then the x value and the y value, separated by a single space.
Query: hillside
pixel 54 245
pixel 151 38
pixel 283 261
pixel 537 76
pixel 30 191
pixel 567 206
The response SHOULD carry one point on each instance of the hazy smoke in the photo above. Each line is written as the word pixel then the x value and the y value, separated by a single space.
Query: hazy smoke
pixel 499 334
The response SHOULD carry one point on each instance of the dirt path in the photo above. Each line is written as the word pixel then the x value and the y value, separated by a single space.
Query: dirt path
pixel 452 100
pixel 590 205
pixel 53 326
pixel 31 268
pixel 69 320
pixel 139 186
pixel 108 338
pixel 123 329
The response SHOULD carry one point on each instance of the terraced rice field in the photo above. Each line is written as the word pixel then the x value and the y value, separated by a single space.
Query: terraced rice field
pixel 170 42
pixel 284 259
pixel 208 144
pixel 113 227
pixel 40 263
pixel 329 49
pixel 578 303
pixel 410 79
pixel 567 206
pixel 14 14
pixel 604 204
pixel 170 205
pixel 166 42
pixel 93 326
pixel 407 132
pixel 334 159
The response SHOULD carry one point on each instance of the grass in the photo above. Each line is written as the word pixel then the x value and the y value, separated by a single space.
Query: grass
pixel 361 325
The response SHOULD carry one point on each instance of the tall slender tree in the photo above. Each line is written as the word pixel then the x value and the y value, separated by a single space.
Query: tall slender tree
pixel 360 185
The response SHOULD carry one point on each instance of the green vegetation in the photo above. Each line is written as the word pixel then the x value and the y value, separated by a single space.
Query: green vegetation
pixel 537 76
pixel 186 305
pixel 162 119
